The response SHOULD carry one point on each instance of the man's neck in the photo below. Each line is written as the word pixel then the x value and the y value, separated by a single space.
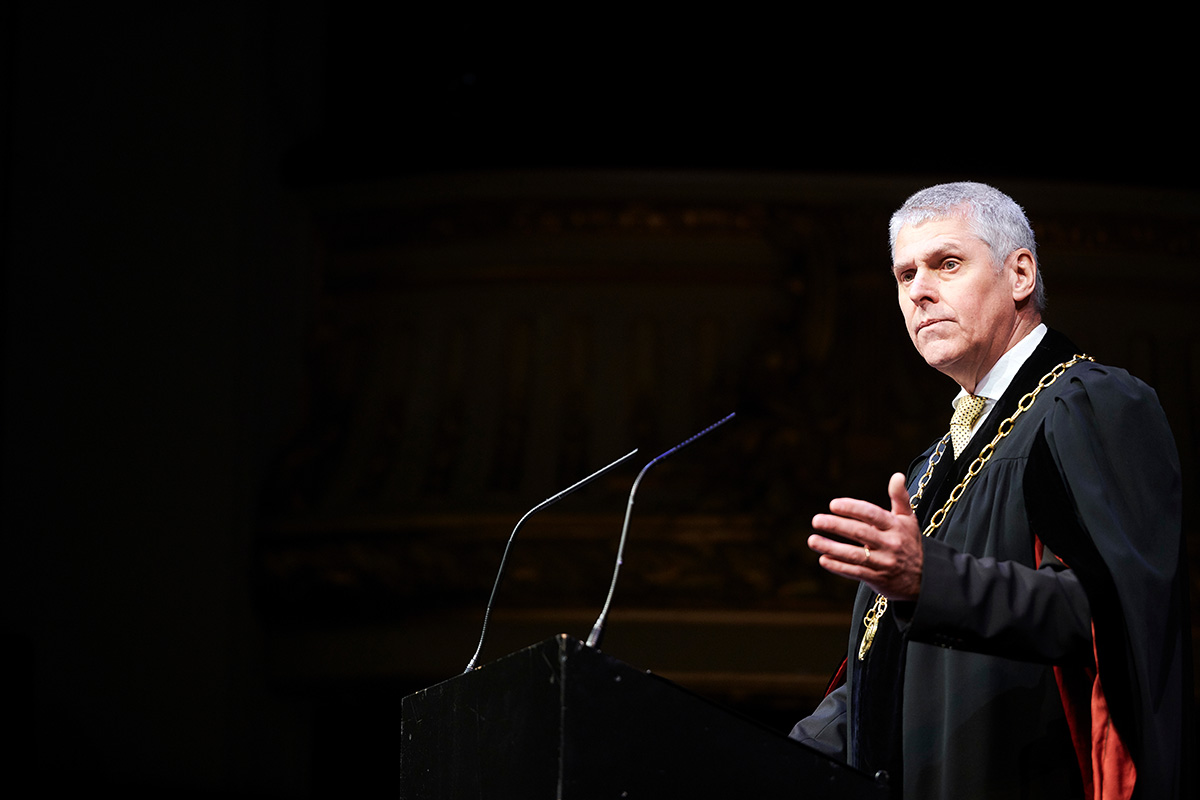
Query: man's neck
pixel 1025 325
pixel 997 379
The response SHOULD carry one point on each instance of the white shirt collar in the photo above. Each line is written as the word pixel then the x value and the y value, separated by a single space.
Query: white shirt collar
pixel 1002 373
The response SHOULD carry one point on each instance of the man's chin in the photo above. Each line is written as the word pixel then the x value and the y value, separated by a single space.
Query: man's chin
pixel 940 356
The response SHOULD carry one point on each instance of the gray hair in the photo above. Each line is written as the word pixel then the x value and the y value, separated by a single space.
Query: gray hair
pixel 992 215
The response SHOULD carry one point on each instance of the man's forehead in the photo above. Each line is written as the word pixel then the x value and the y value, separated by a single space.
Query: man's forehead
pixel 933 234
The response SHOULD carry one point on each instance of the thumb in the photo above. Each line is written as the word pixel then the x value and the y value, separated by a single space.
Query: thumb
pixel 898 493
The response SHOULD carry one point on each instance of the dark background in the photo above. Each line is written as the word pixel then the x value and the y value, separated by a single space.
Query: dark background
pixel 203 209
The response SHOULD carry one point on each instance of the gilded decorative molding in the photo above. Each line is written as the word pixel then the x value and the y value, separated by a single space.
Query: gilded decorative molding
pixel 471 356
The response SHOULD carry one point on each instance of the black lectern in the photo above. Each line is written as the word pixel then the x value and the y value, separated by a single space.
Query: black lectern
pixel 561 720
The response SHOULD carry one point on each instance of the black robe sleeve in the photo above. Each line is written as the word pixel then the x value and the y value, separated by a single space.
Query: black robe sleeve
pixel 825 729
pixel 1104 492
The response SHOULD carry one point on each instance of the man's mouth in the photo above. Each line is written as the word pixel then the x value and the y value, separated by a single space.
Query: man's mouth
pixel 923 324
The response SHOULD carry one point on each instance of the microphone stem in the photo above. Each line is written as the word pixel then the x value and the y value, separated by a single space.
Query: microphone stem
pixel 487 612
pixel 597 633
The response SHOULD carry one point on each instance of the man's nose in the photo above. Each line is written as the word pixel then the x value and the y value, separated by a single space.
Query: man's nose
pixel 923 287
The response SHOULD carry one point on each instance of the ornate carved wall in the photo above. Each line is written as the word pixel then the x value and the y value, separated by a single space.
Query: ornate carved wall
pixel 480 342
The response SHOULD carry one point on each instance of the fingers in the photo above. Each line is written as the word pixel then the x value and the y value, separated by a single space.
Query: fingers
pixel 855 554
pixel 863 521
pixel 848 516
pixel 898 492
pixel 847 528
pixel 884 550
pixel 848 560
pixel 856 511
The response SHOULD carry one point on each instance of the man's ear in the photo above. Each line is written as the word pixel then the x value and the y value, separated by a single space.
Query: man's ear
pixel 1023 273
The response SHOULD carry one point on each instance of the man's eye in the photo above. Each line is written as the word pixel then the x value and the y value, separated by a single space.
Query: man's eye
pixel 951 263
pixel 905 277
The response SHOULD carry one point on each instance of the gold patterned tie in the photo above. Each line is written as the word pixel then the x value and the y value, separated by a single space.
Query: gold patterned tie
pixel 965 413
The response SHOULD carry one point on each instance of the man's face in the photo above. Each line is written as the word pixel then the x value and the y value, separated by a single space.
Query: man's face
pixel 960 311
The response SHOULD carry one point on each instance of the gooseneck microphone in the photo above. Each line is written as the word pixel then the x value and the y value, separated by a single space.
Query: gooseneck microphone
pixel 504 559
pixel 598 629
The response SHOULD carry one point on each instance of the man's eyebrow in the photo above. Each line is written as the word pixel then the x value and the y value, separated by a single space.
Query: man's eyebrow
pixel 944 250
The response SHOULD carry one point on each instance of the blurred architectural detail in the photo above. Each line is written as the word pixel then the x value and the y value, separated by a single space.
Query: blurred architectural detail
pixel 483 341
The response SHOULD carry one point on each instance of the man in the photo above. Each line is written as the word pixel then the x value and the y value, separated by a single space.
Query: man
pixel 1020 624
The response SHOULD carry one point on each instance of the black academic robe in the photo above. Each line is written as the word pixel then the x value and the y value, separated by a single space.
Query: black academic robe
pixel 1073 526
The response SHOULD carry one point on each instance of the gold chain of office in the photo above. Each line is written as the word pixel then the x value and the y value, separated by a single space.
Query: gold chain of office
pixel 879 608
